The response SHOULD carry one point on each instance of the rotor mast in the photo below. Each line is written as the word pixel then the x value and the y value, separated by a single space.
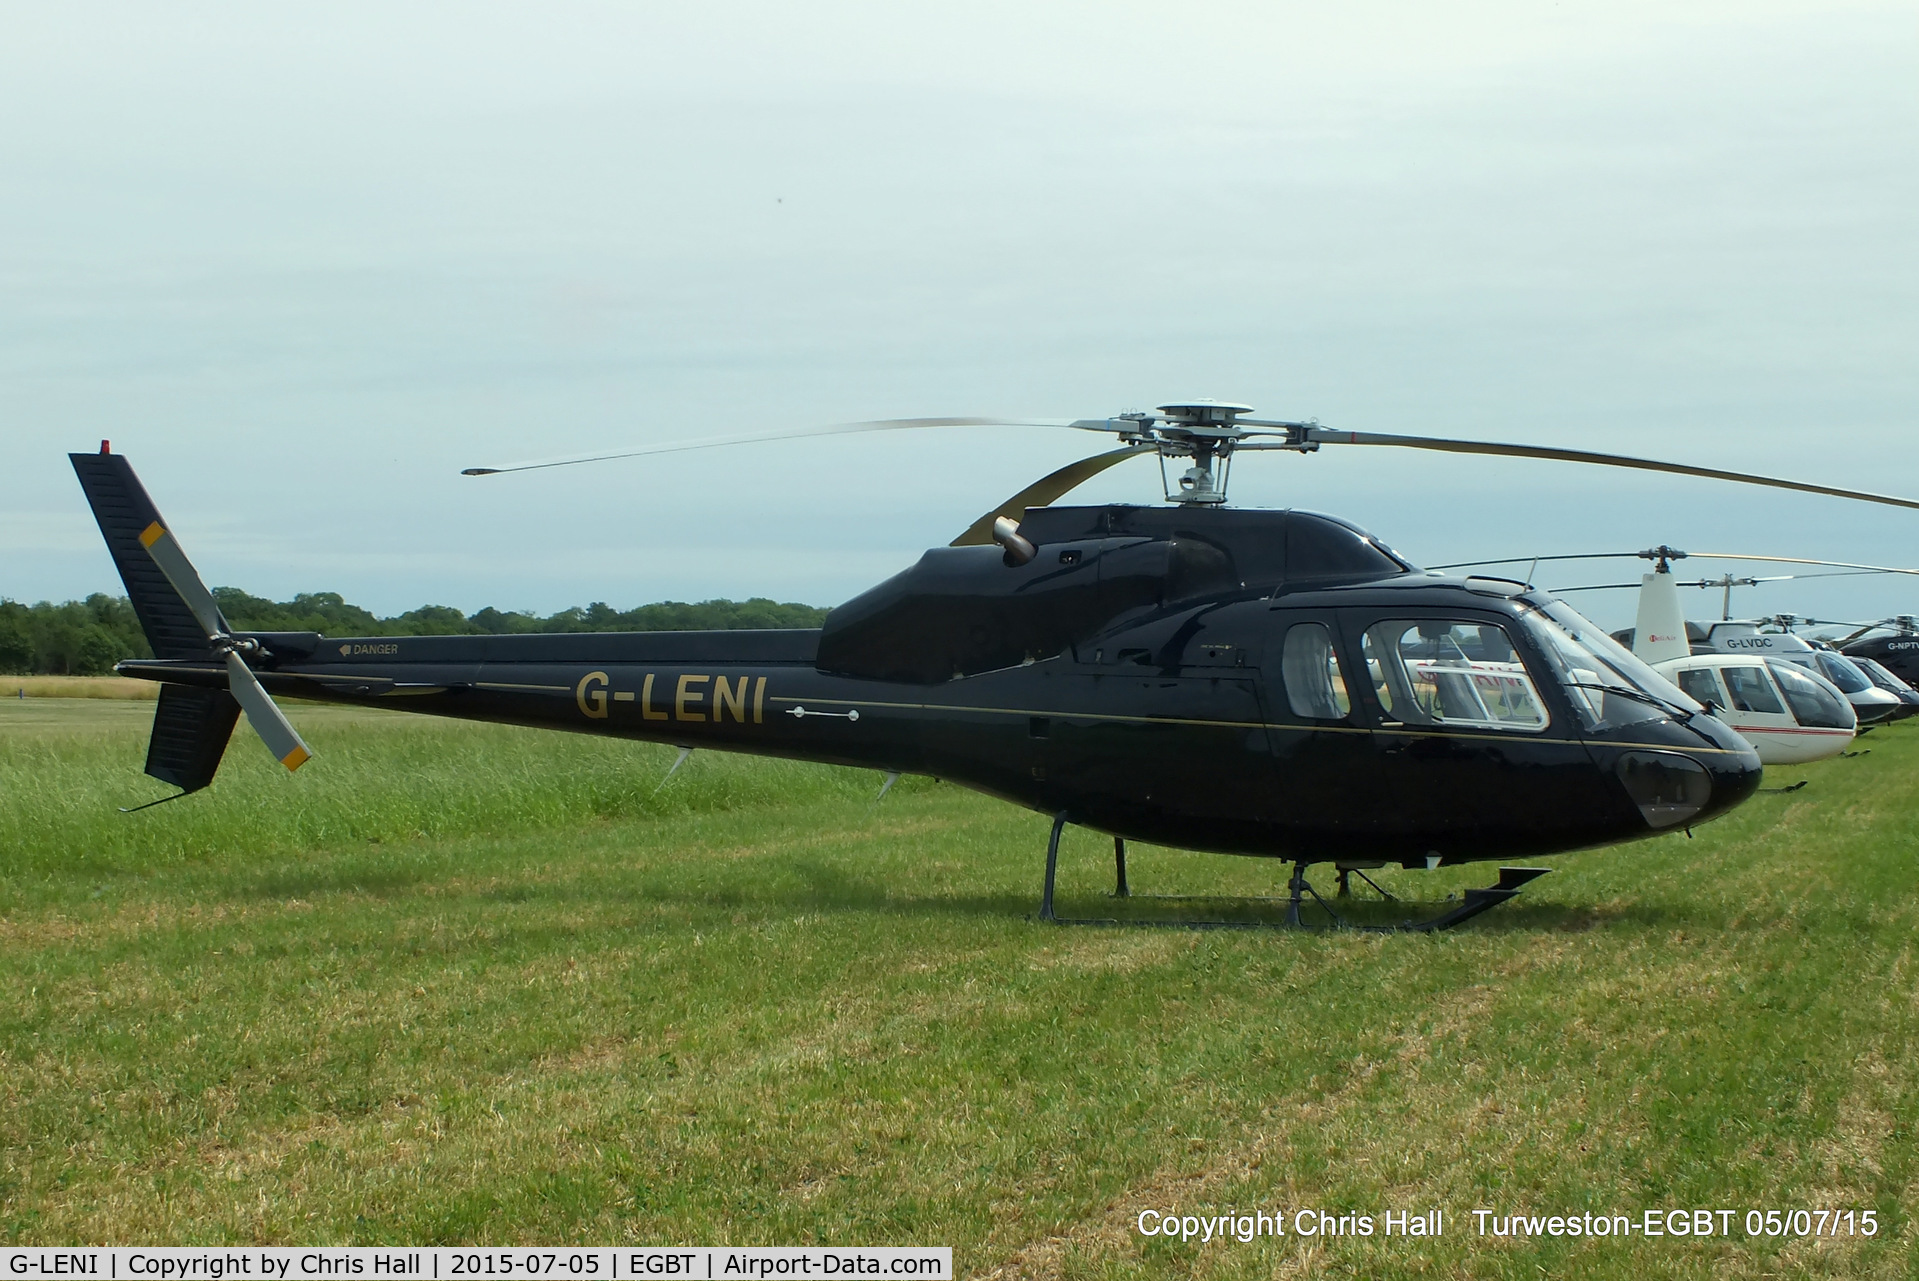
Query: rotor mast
pixel 1202 430
pixel 1204 433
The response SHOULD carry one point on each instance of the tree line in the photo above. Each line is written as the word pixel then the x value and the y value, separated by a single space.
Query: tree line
pixel 87 637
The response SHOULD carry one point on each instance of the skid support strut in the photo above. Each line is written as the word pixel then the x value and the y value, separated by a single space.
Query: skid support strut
pixel 1511 881
pixel 1477 900
pixel 1052 868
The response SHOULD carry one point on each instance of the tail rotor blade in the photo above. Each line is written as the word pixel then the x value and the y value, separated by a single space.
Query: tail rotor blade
pixel 165 550
pixel 268 721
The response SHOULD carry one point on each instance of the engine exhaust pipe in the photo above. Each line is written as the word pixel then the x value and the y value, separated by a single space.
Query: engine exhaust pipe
pixel 1006 533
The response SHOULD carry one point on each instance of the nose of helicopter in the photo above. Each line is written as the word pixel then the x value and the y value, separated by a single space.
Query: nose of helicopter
pixel 1732 766
pixel 1685 786
pixel 1735 777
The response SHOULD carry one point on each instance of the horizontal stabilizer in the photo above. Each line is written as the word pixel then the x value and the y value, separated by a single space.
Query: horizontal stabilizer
pixel 190 732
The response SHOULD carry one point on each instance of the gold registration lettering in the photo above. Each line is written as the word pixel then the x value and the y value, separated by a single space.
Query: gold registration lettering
pixel 684 694
pixel 729 694
pixel 646 701
pixel 759 699
pixel 592 701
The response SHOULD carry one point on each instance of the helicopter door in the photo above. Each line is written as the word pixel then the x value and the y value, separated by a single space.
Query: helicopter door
pixel 1162 735
pixel 1753 700
pixel 1319 744
pixel 1466 747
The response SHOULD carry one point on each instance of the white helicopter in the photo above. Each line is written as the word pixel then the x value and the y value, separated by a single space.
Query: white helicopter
pixel 1754 681
pixel 1794 701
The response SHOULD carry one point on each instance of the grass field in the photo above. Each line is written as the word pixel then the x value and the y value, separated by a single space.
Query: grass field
pixel 454 983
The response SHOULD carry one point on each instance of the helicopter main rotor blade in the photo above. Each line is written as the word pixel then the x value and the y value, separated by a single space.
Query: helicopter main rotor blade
pixel 1782 560
pixel 1044 491
pixel 1802 560
pixel 1884 624
pixel 1326 436
pixel 830 429
pixel 1514 560
pixel 1720 582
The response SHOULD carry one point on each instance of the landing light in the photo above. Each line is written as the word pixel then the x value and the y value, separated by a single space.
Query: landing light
pixel 1668 788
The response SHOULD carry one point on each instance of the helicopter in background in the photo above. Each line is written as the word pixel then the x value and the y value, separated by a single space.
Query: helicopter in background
pixel 1844 654
pixel 1790 714
pixel 1795 700
pixel 1891 643
pixel 1881 676
pixel 1276 684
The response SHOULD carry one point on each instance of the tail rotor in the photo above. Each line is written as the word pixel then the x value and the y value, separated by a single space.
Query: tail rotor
pixel 267 720
pixel 183 623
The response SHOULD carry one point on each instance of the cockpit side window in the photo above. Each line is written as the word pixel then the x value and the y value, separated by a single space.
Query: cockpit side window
pixel 1442 672
pixel 1606 684
pixel 1751 691
pixel 1309 668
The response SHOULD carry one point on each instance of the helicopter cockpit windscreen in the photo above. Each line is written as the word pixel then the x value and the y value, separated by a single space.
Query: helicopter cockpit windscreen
pixel 1880 674
pixel 1605 683
pixel 1440 672
pixel 1841 672
pixel 1813 703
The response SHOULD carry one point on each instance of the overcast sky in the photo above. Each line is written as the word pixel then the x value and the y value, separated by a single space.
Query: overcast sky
pixel 302 265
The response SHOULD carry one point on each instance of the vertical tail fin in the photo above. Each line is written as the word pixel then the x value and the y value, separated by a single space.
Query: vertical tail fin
pixel 121 506
pixel 1660 634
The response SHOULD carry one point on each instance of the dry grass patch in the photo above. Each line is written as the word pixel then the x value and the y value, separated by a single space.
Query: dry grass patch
pixel 117 687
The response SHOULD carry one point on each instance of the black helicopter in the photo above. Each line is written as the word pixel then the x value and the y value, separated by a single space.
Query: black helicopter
pixel 1892 643
pixel 1278 684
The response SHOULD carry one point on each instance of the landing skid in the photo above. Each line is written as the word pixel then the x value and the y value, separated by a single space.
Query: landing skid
pixel 1511 881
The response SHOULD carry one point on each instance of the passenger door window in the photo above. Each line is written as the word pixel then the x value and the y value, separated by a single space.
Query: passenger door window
pixel 1309 669
pixel 1440 672
pixel 1702 685
pixel 1750 691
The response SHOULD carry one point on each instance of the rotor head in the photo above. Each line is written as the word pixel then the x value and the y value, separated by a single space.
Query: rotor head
pixel 1662 557
pixel 1202 413
pixel 1204 431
